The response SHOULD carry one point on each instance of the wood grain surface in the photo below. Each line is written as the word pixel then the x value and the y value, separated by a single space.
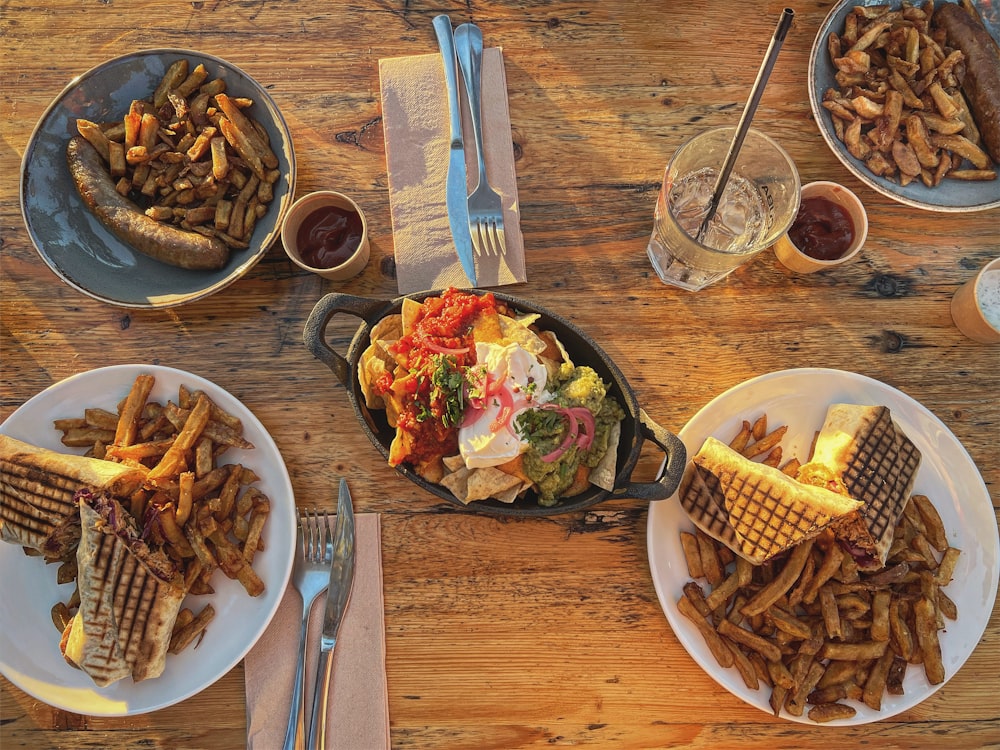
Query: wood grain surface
pixel 513 633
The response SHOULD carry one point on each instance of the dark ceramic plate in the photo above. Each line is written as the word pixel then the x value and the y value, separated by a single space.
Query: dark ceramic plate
pixel 75 245
pixel 951 195
pixel 637 427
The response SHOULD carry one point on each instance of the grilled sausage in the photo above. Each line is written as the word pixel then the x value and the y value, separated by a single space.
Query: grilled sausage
pixel 164 242
pixel 982 78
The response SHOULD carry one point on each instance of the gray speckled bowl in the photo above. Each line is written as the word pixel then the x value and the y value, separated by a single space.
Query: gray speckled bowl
pixel 75 245
pixel 951 196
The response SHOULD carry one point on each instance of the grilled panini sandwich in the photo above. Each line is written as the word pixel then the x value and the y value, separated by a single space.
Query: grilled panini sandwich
pixel 130 595
pixel 769 511
pixel 702 499
pixel 37 509
pixel 860 452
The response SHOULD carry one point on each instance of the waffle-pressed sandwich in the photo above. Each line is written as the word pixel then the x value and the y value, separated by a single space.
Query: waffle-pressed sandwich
pixel 130 595
pixel 768 510
pixel 862 453
pixel 37 488
pixel 702 499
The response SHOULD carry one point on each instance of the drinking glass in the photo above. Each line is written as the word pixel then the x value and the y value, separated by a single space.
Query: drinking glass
pixel 759 203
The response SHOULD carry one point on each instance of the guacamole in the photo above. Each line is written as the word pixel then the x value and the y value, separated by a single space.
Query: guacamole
pixel 554 457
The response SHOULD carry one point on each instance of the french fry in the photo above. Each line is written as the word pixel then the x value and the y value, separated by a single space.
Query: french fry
pixel 781 582
pixel 853 651
pixel 721 593
pixel 880 615
pixel 825 712
pixel 933 526
pixel 692 554
pixel 875 685
pixel 764 647
pixel 173 459
pixel 739 442
pixel 184 636
pixel 128 417
pixel 766 443
pixel 744 666
pixel 185 496
pixel 925 614
pixel 696 596
pixel 715 644
pixel 710 563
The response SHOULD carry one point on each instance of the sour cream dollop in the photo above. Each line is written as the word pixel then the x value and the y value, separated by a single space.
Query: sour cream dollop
pixel 481 441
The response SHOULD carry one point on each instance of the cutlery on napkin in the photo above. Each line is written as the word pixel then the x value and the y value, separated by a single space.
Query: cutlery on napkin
pixel 415 121
pixel 358 710
pixel 456 192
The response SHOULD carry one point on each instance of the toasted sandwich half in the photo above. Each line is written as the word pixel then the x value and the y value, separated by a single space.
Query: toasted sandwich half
pixel 702 499
pixel 130 595
pixel 768 510
pixel 862 453
pixel 37 485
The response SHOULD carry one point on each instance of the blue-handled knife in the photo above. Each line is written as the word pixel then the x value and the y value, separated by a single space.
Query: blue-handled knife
pixel 457 188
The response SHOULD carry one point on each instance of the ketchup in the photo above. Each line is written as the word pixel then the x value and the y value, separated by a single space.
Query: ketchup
pixel 329 236
pixel 822 229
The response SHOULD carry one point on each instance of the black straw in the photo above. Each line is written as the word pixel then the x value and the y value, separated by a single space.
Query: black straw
pixel 748 112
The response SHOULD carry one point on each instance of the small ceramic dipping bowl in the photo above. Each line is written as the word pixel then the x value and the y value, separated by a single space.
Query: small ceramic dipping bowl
pixel 326 232
pixel 818 224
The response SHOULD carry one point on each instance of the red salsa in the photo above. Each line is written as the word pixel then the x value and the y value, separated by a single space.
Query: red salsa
pixel 438 348
pixel 822 229
pixel 329 236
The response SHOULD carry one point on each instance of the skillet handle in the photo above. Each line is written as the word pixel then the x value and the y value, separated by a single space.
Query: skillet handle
pixel 314 332
pixel 676 454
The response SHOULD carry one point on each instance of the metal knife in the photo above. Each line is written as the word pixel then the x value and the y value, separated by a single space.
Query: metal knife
pixel 339 591
pixel 457 189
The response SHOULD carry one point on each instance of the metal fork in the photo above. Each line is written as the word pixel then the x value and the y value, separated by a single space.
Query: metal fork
pixel 485 205
pixel 310 576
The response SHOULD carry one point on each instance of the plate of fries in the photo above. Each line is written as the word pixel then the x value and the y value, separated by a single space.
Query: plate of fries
pixel 180 175
pixel 225 615
pixel 912 142
pixel 960 517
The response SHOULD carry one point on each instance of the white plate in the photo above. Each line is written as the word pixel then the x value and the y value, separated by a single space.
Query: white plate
pixel 947 475
pixel 950 195
pixel 29 643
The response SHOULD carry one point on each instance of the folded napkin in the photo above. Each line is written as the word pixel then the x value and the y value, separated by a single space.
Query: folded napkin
pixel 358 711
pixel 415 121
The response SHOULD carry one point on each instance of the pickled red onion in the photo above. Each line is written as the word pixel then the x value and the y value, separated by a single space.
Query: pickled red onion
pixel 438 349
pixel 508 407
pixel 583 438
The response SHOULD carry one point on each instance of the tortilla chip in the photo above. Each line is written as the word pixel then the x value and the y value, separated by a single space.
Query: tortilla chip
pixel 510 495
pixel 458 483
pixel 486 327
pixel 432 470
pixel 410 312
pixel 469 485
pixel 516 332
pixel 389 328
pixel 515 467
pixel 488 481
pixel 370 369
pixel 603 475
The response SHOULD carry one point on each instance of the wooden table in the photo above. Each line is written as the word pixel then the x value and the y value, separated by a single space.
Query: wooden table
pixel 514 633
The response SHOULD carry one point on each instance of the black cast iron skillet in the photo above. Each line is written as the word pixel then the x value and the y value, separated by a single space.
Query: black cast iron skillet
pixel 637 427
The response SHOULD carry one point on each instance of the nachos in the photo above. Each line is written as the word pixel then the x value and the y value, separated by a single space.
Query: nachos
pixel 486 403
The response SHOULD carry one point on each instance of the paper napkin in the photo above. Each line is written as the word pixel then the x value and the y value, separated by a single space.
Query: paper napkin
pixel 415 121
pixel 358 712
